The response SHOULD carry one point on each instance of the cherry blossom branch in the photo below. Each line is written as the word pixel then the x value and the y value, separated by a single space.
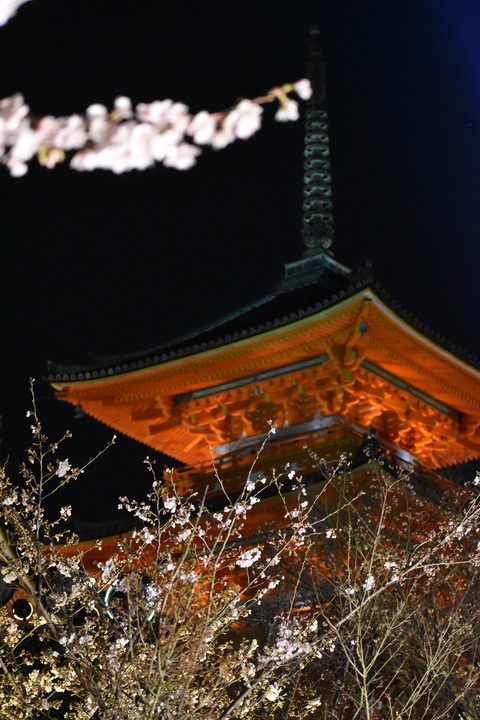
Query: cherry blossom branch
pixel 126 139
pixel 8 8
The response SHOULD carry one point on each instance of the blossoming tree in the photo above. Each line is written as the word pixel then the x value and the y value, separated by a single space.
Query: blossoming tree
pixel 360 602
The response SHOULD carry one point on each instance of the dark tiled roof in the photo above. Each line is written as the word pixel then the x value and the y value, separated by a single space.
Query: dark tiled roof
pixel 283 305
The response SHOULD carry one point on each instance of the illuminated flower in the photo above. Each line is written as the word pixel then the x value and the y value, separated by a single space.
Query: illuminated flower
pixel 8 8
pixel 181 157
pixel 202 128
pixel 249 557
pixel 369 582
pixel 63 467
pixel 244 120
pixel 170 504
pixel 287 111
pixel 303 88
pixel 123 106
pixel 272 693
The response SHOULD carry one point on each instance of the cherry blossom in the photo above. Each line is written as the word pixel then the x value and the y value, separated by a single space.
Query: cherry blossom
pixel 303 89
pixel 272 692
pixel 127 138
pixel 8 8
pixel 287 111
pixel 63 468
pixel 249 557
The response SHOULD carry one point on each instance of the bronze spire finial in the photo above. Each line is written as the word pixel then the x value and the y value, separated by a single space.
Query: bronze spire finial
pixel 317 262
pixel 317 192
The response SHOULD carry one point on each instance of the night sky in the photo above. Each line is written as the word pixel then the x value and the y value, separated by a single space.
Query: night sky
pixel 96 264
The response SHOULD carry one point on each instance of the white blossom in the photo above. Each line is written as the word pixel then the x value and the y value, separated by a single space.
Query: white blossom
pixel 67 639
pixel 63 468
pixel 170 504
pixel 107 569
pixel 147 536
pixel 289 643
pixel 85 639
pixel 312 704
pixel 182 156
pixel 202 128
pixel 120 643
pixel 184 534
pixel 249 557
pixel 303 88
pixel 123 105
pixel 244 120
pixel 369 582
pixel 287 111
pixel 8 8
pixel 272 692
pixel 10 499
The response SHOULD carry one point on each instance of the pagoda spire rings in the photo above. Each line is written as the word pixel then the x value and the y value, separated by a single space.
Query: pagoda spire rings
pixel 317 193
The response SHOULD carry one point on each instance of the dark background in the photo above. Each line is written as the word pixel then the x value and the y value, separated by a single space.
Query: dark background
pixel 105 264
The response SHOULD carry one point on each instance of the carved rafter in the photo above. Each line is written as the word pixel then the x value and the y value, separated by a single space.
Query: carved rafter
pixel 356 362
pixel 350 392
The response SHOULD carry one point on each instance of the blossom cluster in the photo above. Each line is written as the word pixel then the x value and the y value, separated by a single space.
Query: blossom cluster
pixel 127 138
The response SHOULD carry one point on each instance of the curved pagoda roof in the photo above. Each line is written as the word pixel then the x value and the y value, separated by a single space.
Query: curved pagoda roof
pixel 299 353
pixel 323 348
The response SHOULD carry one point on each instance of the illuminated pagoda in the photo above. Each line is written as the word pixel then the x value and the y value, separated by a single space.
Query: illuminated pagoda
pixel 324 356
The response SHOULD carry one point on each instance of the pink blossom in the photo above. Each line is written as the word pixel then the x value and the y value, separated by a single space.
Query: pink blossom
pixel 47 127
pixel 222 138
pixel 155 112
pixel 98 128
pixel 178 117
pixel 303 88
pixel 244 120
pixel 71 134
pixel 202 128
pixel 123 105
pixel 8 8
pixel 26 145
pixel 17 167
pixel 249 557
pixel 163 142
pixel 96 110
pixel 181 157
pixel 287 111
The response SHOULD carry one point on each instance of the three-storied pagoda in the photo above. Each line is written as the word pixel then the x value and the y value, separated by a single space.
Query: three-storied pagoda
pixel 324 356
